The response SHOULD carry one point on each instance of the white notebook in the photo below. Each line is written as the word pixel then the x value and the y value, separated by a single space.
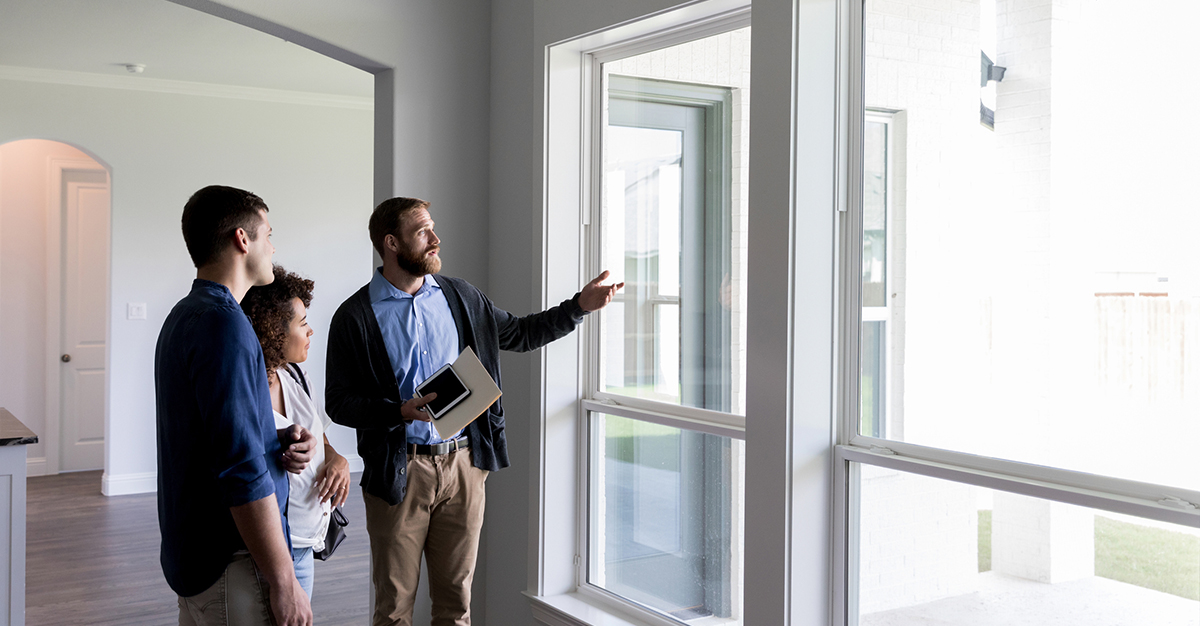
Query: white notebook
pixel 484 393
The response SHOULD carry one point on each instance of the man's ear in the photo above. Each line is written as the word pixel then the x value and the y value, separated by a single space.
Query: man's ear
pixel 241 241
pixel 391 243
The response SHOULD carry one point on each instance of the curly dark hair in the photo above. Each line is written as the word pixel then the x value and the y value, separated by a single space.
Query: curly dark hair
pixel 269 308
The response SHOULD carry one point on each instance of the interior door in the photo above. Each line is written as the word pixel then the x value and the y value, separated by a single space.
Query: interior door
pixel 85 226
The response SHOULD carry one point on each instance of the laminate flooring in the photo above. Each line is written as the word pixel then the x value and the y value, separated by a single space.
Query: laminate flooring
pixel 92 559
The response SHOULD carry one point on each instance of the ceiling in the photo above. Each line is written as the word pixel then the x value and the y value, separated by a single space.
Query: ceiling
pixel 173 42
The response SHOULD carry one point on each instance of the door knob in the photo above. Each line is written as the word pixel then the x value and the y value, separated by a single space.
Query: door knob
pixel 66 358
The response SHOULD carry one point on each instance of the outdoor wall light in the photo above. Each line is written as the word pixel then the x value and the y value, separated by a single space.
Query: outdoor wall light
pixel 989 70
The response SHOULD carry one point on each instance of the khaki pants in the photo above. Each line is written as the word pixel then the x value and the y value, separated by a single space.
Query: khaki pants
pixel 238 598
pixel 441 515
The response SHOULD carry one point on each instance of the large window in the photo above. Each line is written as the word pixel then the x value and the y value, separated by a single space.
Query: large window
pixel 664 407
pixel 1025 403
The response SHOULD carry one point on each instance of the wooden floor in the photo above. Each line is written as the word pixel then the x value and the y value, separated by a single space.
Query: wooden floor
pixel 92 559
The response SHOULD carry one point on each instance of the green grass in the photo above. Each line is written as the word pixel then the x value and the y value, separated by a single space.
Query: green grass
pixel 643 443
pixel 985 541
pixel 1152 558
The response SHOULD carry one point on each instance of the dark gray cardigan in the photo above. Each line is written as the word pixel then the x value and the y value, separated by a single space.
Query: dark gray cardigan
pixel 361 390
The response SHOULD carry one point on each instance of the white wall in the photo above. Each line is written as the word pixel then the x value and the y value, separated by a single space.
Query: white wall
pixel 311 164
pixel 24 182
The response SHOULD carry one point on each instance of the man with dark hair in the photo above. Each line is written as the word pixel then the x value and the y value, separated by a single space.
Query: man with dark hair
pixel 424 490
pixel 222 490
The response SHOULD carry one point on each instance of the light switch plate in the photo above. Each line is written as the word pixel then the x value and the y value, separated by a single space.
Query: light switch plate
pixel 137 310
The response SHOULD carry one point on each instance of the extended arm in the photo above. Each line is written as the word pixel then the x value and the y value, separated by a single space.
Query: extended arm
pixel 522 334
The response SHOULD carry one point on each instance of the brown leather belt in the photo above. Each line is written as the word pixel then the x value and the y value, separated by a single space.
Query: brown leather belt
pixel 437 449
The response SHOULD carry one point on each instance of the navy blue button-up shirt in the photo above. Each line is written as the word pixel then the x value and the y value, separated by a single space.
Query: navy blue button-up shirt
pixel 217 445
pixel 420 336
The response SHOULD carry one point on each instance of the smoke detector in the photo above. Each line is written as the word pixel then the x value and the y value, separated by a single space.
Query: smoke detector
pixel 134 68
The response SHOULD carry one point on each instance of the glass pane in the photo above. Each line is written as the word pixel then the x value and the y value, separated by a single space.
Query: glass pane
pixel 872 383
pixel 874 268
pixel 673 222
pixel 1043 290
pixel 938 552
pixel 665 518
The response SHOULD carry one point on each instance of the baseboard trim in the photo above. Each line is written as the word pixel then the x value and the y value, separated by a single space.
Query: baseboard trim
pixel 126 484
pixel 35 466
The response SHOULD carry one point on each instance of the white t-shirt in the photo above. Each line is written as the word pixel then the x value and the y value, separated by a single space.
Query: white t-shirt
pixel 307 516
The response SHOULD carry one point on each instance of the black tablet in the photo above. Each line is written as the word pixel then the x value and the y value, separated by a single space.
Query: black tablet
pixel 449 388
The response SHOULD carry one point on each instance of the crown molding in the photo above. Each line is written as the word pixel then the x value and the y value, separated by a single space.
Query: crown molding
pixel 185 88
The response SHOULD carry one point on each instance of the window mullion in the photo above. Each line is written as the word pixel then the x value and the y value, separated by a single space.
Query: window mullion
pixel 1110 494
pixel 686 418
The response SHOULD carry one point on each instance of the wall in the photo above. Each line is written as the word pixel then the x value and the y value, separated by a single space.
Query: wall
pixel 310 163
pixel 918 540
pixel 431 129
pixel 23 205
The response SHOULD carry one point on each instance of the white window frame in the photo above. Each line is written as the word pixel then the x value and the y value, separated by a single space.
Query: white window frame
pixel 1155 502
pixel 561 594
pixel 595 399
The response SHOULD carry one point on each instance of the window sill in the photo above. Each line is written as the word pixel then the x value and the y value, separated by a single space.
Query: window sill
pixel 573 609
pixel 579 609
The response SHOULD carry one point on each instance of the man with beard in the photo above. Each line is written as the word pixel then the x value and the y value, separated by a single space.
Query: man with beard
pixel 424 490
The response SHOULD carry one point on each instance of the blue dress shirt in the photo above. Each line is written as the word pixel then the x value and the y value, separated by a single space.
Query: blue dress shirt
pixel 420 337
pixel 217 445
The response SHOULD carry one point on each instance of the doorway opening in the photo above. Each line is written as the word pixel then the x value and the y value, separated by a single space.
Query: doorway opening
pixel 55 207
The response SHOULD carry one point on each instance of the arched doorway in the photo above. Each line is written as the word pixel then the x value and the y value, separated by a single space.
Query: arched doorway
pixel 55 207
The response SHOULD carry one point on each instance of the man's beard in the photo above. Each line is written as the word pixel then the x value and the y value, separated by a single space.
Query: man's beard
pixel 419 264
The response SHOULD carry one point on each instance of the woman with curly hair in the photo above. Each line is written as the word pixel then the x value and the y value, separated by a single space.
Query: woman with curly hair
pixel 279 314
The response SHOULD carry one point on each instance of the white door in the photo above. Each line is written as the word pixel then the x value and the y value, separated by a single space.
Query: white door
pixel 85 231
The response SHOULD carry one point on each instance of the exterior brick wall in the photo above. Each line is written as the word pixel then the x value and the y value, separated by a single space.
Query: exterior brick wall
pixel 919 536
pixel 918 540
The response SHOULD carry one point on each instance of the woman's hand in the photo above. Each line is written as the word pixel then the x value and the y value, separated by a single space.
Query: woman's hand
pixel 333 479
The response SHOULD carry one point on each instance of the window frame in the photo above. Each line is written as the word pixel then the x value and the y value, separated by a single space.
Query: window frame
pixel 1150 501
pixel 571 166
pixel 593 398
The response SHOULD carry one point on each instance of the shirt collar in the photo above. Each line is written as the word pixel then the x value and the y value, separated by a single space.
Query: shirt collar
pixel 217 289
pixel 380 289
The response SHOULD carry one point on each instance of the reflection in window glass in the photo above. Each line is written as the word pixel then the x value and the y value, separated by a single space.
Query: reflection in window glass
pixel 642 168
pixel 673 220
pixel 874 269
pixel 938 552
pixel 872 386
pixel 665 519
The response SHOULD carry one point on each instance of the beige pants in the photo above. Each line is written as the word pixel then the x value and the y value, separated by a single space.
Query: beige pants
pixel 441 515
pixel 238 598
